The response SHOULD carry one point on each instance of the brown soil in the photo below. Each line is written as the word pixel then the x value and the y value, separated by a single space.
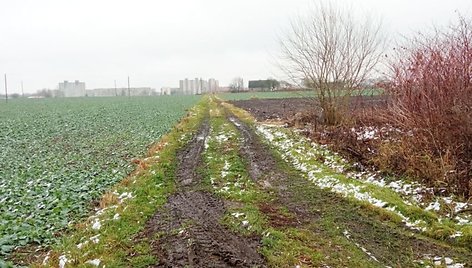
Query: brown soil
pixel 309 205
pixel 187 231
pixel 284 109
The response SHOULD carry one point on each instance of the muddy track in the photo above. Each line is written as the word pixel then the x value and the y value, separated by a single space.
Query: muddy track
pixel 389 244
pixel 263 169
pixel 187 231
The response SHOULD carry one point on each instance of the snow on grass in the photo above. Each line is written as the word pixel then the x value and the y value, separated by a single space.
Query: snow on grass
pixel 94 262
pixel 96 224
pixel 123 196
pixel 438 261
pixel 332 174
pixel 81 245
pixel 234 122
pixel 95 239
pixel 62 261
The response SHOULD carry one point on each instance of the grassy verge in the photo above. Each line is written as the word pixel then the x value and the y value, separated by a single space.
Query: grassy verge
pixel 106 237
pixel 304 156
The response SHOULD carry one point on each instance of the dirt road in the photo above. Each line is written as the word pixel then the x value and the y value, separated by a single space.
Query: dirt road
pixel 188 228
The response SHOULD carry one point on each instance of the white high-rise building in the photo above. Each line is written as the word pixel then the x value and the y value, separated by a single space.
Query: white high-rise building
pixel 213 85
pixel 197 86
pixel 72 89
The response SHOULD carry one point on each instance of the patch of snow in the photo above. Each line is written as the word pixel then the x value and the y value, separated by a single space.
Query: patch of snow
pixel 456 234
pixel 95 239
pixel 366 133
pixel 123 196
pixel 436 206
pixel 62 261
pixel 234 122
pixel 96 225
pixel 462 221
pixel 237 214
pixel 81 245
pixel 95 262
pixel 116 217
pixel 221 138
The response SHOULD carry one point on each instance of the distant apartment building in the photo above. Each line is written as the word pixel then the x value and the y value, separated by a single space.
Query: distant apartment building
pixel 166 91
pixel 197 86
pixel 72 89
pixel 213 85
pixel 124 91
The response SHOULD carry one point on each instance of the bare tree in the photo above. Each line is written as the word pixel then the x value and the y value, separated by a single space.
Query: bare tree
pixel 237 84
pixel 333 53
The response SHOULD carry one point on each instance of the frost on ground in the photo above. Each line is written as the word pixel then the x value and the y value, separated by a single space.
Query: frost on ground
pixel 332 174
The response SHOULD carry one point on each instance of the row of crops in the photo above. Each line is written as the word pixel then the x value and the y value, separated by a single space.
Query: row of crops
pixel 58 155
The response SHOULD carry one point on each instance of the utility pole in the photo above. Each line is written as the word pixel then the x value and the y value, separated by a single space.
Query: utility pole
pixel 6 89
pixel 116 93
pixel 22 91
pixel 129 89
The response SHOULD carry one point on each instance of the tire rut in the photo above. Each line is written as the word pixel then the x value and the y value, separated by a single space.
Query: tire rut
pixel 187 232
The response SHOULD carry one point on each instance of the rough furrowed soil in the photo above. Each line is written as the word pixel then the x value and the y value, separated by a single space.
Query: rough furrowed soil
pixel 187 232
pixel 284 109
pixel 387 244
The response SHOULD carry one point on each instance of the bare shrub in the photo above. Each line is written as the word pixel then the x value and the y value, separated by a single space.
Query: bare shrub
pixel 333 53
pixel 431 100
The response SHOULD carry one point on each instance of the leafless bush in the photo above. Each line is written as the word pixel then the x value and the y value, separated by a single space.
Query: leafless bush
pixel 333 53
pixel 431 100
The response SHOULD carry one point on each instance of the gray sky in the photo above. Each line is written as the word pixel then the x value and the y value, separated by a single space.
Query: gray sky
pixel 159 42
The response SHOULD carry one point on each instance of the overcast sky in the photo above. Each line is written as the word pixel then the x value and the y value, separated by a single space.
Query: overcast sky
pixel 159 42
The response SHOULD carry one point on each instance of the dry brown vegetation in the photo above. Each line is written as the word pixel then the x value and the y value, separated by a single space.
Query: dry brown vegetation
pixel 431 91
pixel 425 130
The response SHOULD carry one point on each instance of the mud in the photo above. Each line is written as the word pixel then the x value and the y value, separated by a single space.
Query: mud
pixel 285 109
pixel 309 205
pixel 263 168
pixel 190 158
pixel 258 164
pixel 187 231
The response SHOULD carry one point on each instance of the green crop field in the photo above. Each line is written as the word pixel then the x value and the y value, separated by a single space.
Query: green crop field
pixel 57 155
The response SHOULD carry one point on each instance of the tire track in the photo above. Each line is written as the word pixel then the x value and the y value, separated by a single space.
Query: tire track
pixel 188 229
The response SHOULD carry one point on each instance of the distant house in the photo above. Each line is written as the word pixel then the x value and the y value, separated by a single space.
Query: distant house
pixel 264 85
